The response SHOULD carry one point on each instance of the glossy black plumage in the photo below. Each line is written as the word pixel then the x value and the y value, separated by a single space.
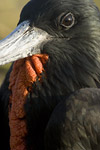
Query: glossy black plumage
pixel 75 122
pixel 74 63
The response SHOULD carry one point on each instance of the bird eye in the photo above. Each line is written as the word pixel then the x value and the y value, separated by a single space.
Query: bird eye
pixel 67 20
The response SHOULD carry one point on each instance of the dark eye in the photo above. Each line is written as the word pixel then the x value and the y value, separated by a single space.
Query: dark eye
pixel 67 20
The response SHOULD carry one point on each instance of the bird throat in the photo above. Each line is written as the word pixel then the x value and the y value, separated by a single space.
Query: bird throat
pixel 25 72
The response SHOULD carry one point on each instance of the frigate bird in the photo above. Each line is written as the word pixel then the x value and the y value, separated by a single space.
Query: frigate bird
pixel 49 99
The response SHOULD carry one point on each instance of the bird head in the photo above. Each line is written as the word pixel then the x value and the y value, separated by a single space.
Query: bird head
pixel 67 31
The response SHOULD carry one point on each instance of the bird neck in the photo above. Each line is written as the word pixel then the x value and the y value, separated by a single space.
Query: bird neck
pixel 25 72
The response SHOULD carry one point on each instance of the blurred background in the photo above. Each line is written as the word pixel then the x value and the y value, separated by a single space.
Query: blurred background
pixel 9 16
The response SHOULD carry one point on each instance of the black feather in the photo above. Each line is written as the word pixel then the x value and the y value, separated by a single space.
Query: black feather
pixel 74 63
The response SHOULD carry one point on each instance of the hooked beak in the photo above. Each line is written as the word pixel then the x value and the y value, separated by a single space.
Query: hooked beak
pixel 24 41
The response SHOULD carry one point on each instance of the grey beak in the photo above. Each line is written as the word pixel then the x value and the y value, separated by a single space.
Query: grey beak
pixel 22 42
